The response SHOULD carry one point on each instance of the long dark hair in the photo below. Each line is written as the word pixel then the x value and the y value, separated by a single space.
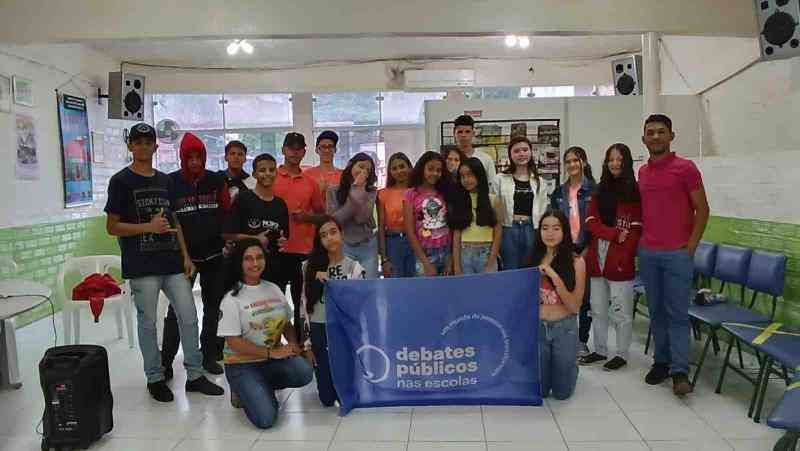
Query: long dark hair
pixel 461 211
pixel 390 181
pixel 531 163
pixel 347 177
pixel 418 174
pixel 236 274
pixel 563 261
pixel 612 190
pixel 318 260
pixel 581 154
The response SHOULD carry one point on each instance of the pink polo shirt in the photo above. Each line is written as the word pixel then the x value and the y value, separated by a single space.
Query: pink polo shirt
pixel 667 213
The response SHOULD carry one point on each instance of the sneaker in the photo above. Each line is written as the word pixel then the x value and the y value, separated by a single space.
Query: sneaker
pixel 212 367
pixel 583 350
pixel 681 385
pixel 589 359
pixel 204 386
pixel 168 373
pixel 236 402
pixel 658 374
pixel 615 364
pixel 160 392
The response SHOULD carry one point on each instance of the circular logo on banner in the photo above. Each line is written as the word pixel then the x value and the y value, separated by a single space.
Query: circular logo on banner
pixel 368 374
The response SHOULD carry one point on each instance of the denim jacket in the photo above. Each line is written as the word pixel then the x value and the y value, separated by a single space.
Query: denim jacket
pixel 559 200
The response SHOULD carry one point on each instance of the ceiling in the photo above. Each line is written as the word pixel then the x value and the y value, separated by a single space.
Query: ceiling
pixel 289 53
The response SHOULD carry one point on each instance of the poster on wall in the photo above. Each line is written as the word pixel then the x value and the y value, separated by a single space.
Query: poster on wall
pixel 73 122
pixel 23 91
pixel 5 94
pixel 27 163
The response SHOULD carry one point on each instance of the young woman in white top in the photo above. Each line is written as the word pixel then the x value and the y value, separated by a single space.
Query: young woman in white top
pixel 523 197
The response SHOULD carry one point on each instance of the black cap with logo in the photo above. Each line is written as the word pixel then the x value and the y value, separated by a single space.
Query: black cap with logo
pixel 294 140
pixel 141 130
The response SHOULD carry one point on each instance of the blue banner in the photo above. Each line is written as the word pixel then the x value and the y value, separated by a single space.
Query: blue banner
pixel 435 341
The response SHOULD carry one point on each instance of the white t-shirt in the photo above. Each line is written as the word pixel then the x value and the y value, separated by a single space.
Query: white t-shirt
pixel 344 270
pixel 259 313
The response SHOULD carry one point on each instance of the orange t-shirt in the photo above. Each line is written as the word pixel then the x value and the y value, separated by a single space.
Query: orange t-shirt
pixel 332 178
pixel 391 200
pixel 301 193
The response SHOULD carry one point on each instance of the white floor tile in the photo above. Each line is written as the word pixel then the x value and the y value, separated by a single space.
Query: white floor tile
pixel 449 446
pixel 520 424
pixel 231 424
pixel 446 426
pixel 290 446
pixel 607 446
pixel 585 401
pixel 752 445
pixel 141 425
pixel 303 426
pixel 597 428
pixel 133 444
pixel 735 425
pixel 368 426
pixel 640 396
pixel 527 446
pixel 226 444
pixel 20 442
pixel 339 445
pixel 695 445
pixel 671 425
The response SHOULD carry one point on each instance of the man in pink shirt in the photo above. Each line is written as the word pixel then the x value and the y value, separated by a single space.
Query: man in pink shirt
pixel 326 174
pixel 674 215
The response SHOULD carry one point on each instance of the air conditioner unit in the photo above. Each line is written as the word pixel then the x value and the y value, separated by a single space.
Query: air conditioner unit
pixel 422 79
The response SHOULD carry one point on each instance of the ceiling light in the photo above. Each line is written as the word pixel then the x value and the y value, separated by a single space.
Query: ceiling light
pixel 511 40
pixel 246 46
pixel 523 42
pixel 233 48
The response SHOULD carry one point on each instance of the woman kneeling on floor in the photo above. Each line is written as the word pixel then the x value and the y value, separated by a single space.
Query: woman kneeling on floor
pixel 253 317
pixel 560 297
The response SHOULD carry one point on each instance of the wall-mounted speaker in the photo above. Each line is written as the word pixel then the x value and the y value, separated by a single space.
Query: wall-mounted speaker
pixel 779 28
pixel 125 96
pixel 627 76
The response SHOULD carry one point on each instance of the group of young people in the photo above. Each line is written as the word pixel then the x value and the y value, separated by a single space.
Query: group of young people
pixel 249 236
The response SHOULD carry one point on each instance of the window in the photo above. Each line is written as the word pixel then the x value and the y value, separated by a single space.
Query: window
pixel 259 120
pixel 377 123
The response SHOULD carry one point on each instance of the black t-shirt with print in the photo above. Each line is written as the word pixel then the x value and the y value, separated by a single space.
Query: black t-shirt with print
pixel 136 199
pixel 252 215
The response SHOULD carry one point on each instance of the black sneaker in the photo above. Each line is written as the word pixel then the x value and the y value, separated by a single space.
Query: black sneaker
pixel 212 367
pixel 160 392
pixel 589 359
pixel 168 373
pixel 615 364
pixel 681 385
pixel 658 374
pixel 204 386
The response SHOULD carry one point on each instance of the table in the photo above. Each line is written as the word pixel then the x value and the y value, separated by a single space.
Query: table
pixel 16 297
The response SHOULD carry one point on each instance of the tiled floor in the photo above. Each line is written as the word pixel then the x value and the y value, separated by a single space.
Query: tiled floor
pixel 609 411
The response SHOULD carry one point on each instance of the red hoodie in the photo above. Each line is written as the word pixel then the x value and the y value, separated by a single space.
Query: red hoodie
pixel 189 144
pixel 620 259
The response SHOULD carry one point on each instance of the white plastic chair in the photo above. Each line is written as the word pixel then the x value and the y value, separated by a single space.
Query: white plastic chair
pixel 121 303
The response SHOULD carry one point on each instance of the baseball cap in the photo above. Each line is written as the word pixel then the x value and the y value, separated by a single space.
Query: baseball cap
pixel 141 130
pixel 328 134
pixel 294 140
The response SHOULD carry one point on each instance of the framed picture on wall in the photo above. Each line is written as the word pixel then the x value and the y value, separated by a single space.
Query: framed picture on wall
pixel 27 161
pixel 5 94
pixel 23 91
pixel 76 155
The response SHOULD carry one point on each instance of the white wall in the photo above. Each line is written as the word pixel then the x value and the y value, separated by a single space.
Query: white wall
pixel 29 202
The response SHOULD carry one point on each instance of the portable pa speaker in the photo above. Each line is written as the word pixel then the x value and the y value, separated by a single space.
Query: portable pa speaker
pixel 779 33
pixel 77 396
pixel 627 76
pixel 125 96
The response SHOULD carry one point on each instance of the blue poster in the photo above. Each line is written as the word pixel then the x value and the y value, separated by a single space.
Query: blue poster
pixel 466 340
pixel 73 121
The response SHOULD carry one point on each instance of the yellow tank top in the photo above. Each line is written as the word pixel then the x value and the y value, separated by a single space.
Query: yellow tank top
pixel 475 233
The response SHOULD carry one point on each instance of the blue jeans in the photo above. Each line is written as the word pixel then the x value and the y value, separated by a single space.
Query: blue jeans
pixel 667 277
pixel 179 292
pixel 319 346
pixel 438 257
pixel 400 254
pixel 474 258
pixel 517 244
pixel 558 357
pixel 366 253
pixel 256 382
